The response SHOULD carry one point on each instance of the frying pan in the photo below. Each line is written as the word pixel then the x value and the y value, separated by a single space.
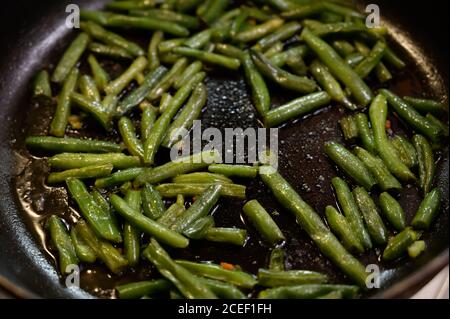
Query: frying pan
pixel 33 35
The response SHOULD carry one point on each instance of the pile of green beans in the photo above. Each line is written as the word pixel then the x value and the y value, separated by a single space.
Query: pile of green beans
pixel 132 205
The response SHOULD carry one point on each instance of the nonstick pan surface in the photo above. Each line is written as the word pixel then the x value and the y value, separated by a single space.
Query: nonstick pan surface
pixel 33 35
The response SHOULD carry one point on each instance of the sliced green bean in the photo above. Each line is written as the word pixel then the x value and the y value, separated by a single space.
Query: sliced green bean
pixel 276 260
pixel 398 245
pixel 392 211
pixel 427 210
pixel 416 248
pixel 343 230
pixel 348 127
pixel 61 240
pixel 41 84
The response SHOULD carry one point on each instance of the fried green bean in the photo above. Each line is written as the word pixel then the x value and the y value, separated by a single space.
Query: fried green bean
pixel 350 164
pixel 234 170
pixel 385 180
pixel 199 228
pixel 101 221
pixel 427 166
pixel 284 32
pixel 168 79
pixel 338 68
pixel 427 210
pixel 177 274
pixel 185 20
pixel 398 245
pixel 307 291
pixel 41 84
pixel 147 225
pixel 171 214
pixel 426 106
pixel 272 278
pixel 152 202
pixel 295 108
pixel 119 177
pixel 281 77
pixel 348 127
pixel 88 88
pixel 416 248
pixel 374 57
pixel 372 219
pixel 378 115
pixel 311 222
pixel 70 58
pixel 94 108
pixel 61 240
pixel 343 230
pixel 222 289
pixel 128 133
pixel 187 74
pixel 83 251
pixel 405 150
pixel 136 290
pixel 439 123
pixel 110 51
pixel 153 56
pixel 259 31
pixel 276 259
pixel 62 113
pixel 76 160
pixel 365 132
pixel 211 58
pixel 70 144
pixel 392 211
pixel 263 222
pixel 148 119
pixel 201 178
pixel 194 189
pixel 214 10
pixel 116 86
pixel 131 235
pixel 81 173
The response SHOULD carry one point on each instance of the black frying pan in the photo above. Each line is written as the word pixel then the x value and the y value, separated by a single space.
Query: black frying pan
pixel 33 36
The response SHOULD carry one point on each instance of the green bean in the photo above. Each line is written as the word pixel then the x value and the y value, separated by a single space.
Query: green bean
pixel 307 291
pixel 427 210
pixel 260 93
pixel 230 51
pixel 343 230
pixel 412 117
pixel 278 47
pixel 343 47
pixel 311 222
pixel 151 81
pixel 350 164
pixel 167 45
pixel 130 5
pixel 284 32
pixel 281 5
pixel 338 68
pixel 110 51
pixel 201 178
pixel 171 214
pixel 263 222
pixel 93 107
pixel 59 122
pixel 100 220
pixel 234 170
pixel 70 58
pixel 187 5
pixel 372 219
pixel 214 10
pixel 161 125
pixel 82 250
pixel 107 37
pixel 281 77
pixel 61 240
pixel 330 84
pixel 426 106
pixel 185 20
pixel 187 74
pixel 398 245
pixel 153 56
pixel 351 211
pixel 212 58
pixel 199 40
pixel 102 249
pixel 119 177
pixel 378 169
pixel 166 100
pixel 136 290
pixel 168 79
pixel 259 31
pixel 81 173
pixel 199 228
pixel 180 166
pixel 416 248
pixel 147 225
pixel 194 189
pixel 180 200
pixel 148 118
pixel 237 24
pixel 131 235
pixel 200 208
pixel 427 165
pixel 41 84
pixel 256 13
pixel 223 290
pixel 178 275
pixel 125 187
pixel 276 260
pixel 280 59
pixel 76 160
pixel 69 144
pixel 152 202
pixel 308 10
pixel 393 59
pixel 128 133
pixel 273 278
pixel 392 211
pixel 126 21
pixel 323 30
pixel 331 295
pixel 296 108
pixel 444 127
pixel 116 86
pixel 184 121
pixel 364 132
pixel 209 270
pixel 353 59
pixel 364 68
pixel 348 127
pixel 103 203
pixel 405 150
pixel 88 88
pixel 378 114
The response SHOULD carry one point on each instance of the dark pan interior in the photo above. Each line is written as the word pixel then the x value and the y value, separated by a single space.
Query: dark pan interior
pixel 35 36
